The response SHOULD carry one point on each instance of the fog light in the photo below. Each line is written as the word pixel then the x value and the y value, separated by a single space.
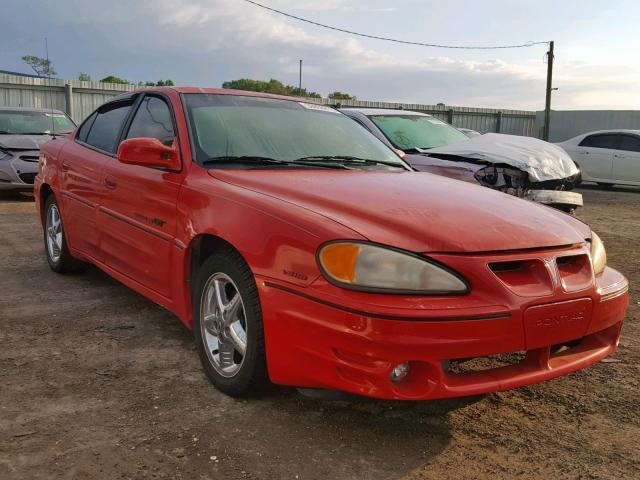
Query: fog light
pixel 399 372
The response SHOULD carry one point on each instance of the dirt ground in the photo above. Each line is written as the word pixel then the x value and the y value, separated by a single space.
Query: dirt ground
pixel 96 382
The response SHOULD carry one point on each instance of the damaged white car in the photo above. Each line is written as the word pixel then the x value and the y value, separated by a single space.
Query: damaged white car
pixel 521 166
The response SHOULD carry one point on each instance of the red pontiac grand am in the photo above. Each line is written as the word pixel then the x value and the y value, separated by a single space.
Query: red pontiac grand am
pixel 302 251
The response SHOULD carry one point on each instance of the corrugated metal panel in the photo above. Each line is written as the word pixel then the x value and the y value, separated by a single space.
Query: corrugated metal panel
pixel 17 91
pixel 87 96
pixel 567 124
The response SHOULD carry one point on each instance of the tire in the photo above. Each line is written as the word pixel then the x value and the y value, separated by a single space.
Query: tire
pixel 219 337
pixel 55 243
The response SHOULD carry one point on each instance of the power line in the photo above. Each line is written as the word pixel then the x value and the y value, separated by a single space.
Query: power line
pixel 405 42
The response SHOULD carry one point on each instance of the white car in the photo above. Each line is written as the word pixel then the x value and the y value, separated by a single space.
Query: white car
pixel 607 157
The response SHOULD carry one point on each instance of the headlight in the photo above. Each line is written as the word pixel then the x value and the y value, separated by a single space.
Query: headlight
pixel 368 267
pixel 598 254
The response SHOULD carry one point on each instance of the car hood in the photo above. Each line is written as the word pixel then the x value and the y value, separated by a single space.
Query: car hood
pixel 23 142
pixel 416 211
pixel 541 160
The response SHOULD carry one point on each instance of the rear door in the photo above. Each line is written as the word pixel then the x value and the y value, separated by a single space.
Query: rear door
pixel 595 153
pixel 81 176
pixel 138 219
pixel 626 159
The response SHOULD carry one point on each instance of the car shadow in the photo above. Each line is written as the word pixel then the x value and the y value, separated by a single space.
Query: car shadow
pixel 613 188
pixel 385 439
pixel 10 196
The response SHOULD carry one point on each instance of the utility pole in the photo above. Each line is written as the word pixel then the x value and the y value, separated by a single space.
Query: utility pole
pixel 547 107
pixel 300 79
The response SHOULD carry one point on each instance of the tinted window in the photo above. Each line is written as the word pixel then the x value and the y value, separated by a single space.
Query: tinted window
pixel 86 126
pixel 599 141
pixel 153 119
pixel 629 143
pixel 106 127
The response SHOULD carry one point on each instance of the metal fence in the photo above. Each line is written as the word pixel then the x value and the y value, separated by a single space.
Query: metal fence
pixel 76 98
pixel 569 123
pixel 484 120
pixel 79 99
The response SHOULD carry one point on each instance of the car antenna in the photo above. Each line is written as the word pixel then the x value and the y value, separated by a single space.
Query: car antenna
pixel 53 123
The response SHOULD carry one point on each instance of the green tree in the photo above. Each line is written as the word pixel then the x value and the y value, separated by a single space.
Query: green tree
pixel 84 77
pixel 159 83
pixel 341 96
pixel 114 79
pixel 42 66
pixel 272 86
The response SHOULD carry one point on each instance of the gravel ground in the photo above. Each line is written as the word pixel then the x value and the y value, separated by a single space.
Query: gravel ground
pixel 97 382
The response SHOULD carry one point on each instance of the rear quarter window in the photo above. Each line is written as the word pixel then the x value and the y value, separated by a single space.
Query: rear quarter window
pixel 85 127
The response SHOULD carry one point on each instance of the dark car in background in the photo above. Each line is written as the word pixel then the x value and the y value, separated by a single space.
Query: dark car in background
pixel 521 166
pixel 22 132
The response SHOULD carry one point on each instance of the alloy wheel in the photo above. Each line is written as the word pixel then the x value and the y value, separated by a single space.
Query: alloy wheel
pixel 54 233
pixel 223 325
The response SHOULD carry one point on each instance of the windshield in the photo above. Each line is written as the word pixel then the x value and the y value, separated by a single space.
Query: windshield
pixel 229 126
pixel 408 132
pixel 18 122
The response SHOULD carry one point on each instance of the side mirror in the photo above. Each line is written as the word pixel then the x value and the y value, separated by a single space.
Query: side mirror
pixel 148 152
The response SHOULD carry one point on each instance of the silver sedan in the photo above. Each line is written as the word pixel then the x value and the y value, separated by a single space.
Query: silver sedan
pixel 22 132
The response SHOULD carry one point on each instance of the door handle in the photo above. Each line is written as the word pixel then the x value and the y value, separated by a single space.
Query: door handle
pixel 617 155
pixel 111 182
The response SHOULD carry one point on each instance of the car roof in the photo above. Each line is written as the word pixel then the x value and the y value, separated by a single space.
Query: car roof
pixel 29 109
pixel 215 91
pixel 611 130
pixel 384 111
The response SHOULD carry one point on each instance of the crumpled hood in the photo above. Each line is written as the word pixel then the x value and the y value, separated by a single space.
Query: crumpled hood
pixel 23 142
pixel 541 160
pixel 416 211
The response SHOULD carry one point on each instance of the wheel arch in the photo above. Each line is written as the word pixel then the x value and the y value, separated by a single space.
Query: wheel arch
pixel 45 192
pixel 201 247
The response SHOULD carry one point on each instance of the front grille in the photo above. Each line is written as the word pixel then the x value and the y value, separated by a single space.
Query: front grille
pixel 30 158
pixel 28 178
pixel 479 364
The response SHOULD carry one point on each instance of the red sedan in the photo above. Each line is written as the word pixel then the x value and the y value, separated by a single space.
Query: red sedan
pixel 303 251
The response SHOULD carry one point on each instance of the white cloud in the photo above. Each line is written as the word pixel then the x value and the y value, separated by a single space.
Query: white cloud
pixel 204 42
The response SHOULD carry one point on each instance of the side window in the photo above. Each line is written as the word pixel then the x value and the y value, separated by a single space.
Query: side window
pixel 86 126
pixel 153 119
pixel 599 141
pixel 106 127
pixel 629 143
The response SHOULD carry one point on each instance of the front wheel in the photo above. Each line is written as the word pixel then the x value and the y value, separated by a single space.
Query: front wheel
pixel 227 325
pixel 58 255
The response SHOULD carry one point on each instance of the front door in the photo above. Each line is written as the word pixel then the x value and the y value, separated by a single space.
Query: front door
pixel 595 155
pixel 138 218
pixel 626 159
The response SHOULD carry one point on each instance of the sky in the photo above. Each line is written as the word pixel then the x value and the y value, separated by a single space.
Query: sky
pixel 205 42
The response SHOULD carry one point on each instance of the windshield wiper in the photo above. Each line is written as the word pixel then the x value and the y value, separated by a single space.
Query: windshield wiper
pixel 348 159
pixel 262 161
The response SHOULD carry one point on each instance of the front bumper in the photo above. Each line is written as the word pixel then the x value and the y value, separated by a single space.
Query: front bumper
pixel 315 342
pixel 561 199
pixel 18 171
